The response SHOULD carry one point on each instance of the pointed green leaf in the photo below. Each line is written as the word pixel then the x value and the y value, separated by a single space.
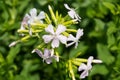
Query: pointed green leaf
pixel 104 54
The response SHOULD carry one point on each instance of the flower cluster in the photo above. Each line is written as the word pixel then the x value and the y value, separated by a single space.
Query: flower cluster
pixel 53 32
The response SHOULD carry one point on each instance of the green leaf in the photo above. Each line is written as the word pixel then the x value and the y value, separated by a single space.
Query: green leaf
pixel 99 69
pixel 90 12
pixel 111 40
pixel 111 28
pixel 110 6
pixel 78 51
pixel 13 53
pixel 1 58
pixel 99 25
pixel 104 54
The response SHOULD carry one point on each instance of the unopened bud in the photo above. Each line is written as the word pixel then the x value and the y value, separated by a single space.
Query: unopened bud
pixel 12 44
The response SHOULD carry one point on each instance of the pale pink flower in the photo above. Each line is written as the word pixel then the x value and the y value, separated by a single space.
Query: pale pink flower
pixel 85 68
pixel 48 55
pixel 55 37
pixel 74 40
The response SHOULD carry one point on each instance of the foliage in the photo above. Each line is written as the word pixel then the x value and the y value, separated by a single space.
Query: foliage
pixel 101 24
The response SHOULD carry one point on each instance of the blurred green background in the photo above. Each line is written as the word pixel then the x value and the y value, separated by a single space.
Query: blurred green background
pixel 101 24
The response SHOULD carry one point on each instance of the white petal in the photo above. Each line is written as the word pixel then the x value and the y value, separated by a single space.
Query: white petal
pixel 12 44
pixel 67 7
pixel 47 53
pixel 41 15
pixel 22 27
pixel 60 29
pixel 77 17
pixel 50 29
pixel 72 14
pixel 71 38
pixel 84 74
pixel 33 12
pixel 76 44
pixel 62 39
pixel 90 59
pixel 27 17
pixel 55 43
pixel 82 67
pixel 25 21
pixel 79 33
pixel 38 52
pixel 69 44
pixel 48 60
pixel 97 61
pixel 47 38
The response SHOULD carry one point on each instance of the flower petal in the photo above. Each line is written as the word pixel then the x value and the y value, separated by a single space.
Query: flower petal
pixel 47 53
pixel 72 14
pixel 62 39
pixel 82 67
pixel 41 15
pixel 50 29
pixel 67 7
pixel 27 17
pixel 47 38
pixel 69 44
pixel 33 12
pixel 48 60
pixel 97 61
pixel 77 17
pixel 12 44
pixel 76 44
pixel 60 29
pixel 38 52
pixel 79 33
pixel 84 74
pixel 71 38
pixel 89 62
pixel 55 43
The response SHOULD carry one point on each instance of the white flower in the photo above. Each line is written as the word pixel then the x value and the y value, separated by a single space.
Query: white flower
pixel 74 40
pixel 34 18
pixel 48 55
pixel 72 13
pixel 85 68
pixel 55 37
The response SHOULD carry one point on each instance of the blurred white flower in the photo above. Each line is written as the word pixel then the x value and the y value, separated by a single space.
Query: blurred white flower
pixel 34 18
pixel 13 43
pixel 72 13
pixel 56 37
pixel 85 68
pixel 74 40
pixel 48 55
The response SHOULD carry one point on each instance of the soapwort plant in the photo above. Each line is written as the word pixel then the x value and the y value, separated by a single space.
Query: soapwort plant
pixel 55 31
